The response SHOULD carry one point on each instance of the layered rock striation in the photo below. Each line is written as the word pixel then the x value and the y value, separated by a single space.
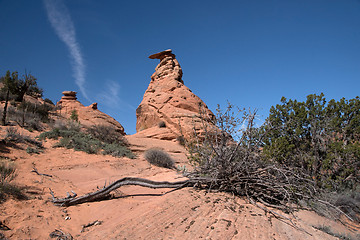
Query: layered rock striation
pixel 87 116
pixel 170 109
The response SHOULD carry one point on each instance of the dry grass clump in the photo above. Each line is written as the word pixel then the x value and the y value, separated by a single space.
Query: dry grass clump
pixel 7 174
pixel 159 158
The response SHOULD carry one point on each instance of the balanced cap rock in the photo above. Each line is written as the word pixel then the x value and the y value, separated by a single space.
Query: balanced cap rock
pixel 69 95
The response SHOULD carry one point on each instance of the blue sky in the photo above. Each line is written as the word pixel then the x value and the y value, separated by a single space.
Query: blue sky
pixel 248 52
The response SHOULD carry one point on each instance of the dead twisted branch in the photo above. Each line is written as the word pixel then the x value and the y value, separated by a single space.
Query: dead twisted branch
pixel 104 192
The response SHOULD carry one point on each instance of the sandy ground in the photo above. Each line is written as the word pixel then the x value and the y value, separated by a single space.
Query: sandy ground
pixel 182 214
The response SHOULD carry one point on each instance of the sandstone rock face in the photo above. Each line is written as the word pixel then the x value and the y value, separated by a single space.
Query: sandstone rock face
pixel 168 100
pixel 87 116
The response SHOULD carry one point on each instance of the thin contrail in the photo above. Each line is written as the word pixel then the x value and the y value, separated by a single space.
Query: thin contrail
pixel 60 20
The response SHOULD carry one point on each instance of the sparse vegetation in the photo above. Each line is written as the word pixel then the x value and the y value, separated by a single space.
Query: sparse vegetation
pixel 14 88
pixel 7 174
pixel 94 140
pixel 31 150
pixel 79 141
pixel 74 116
pixel 328 230
pixel 107 134
pixel 237 157
pixel 13 135
pixel 349 203
pixel 159 158
pixel 117 150
pixel 41 111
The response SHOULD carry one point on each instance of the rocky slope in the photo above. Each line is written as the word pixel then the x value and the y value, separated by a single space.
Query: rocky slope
pixel 168 103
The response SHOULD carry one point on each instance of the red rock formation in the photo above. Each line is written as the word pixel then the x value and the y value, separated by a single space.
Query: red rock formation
pixel 168 100
pixel 87 116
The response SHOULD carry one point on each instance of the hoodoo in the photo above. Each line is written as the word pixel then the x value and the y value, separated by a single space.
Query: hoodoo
pixel 170 109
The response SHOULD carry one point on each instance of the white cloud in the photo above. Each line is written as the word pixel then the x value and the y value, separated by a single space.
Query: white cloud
pixel 110 96
pixel 60 20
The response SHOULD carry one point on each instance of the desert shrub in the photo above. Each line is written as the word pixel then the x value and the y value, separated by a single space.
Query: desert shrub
pixel 159 158
pixel 34 124
pixel 40 110
pixel 61 129
pixel 74 116
pixel 53 134
pixel 31 150
pixel 117 150
pixel 342 236
pixel 107 134
pixel 27 120
pixel 181 140
pixel 61 125
pixel 162 124
pixel 13 135
pixel 30 115
pixel 7 174
pixel 349 203
pixel 79 141
pixel 229 155
pixel 233 157
pixel 73 138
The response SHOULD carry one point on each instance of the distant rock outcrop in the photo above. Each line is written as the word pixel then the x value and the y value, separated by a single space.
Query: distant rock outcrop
pixel 169 108
pixel 87 116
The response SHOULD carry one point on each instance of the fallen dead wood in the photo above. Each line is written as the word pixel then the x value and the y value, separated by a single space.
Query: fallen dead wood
pixel 94 223
pixel 104 192
pixel 40 174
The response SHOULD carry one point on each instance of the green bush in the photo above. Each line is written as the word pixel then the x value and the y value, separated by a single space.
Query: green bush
pixel 159 158
pixel 74 116
pixel 321 138
pixel 80 142
pixel 31 150
pixel 117 150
